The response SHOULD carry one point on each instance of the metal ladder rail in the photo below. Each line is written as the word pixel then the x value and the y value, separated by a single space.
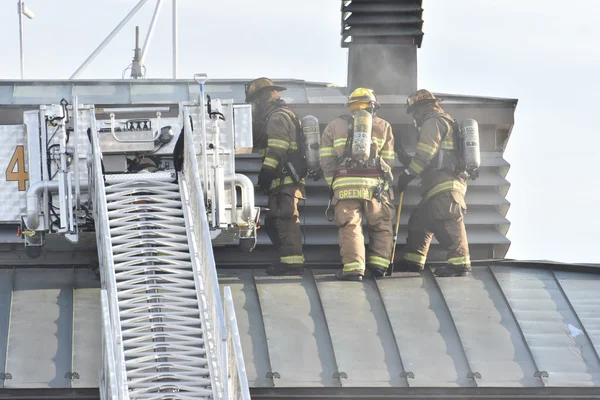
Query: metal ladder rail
pixel 204 261
pixel 232 374
pixel 114 382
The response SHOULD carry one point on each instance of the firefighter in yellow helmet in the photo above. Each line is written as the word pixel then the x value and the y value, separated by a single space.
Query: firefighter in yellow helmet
pixel 443 188
pixel 359 184
pixel 275 129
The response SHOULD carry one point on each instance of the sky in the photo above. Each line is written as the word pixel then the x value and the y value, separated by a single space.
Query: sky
pixel 538 51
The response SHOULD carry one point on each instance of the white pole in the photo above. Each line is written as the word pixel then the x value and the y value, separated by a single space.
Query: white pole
pixel 20 12
pixel 175 49
pixel 108 39
pixel 150 30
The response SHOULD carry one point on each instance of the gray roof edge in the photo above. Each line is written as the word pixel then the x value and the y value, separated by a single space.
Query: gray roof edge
pixel 575 267
pixel 307 84
pixel 485 99
pixel 507 262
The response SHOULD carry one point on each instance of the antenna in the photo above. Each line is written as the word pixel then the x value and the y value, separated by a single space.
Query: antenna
pixel 136 65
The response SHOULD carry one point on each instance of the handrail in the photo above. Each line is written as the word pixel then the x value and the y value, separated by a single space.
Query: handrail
pixel 100 211
pixel 209 293
pixel 108 356
pixel 229 372
pixel 237 379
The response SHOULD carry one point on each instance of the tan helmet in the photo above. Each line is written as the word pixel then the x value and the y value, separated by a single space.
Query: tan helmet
pixel 419 97
pixel 362 98
pixel 255 87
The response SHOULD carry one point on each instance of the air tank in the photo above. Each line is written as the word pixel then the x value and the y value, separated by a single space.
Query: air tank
pixel 312 140
pixel 469 132
pixel 361 141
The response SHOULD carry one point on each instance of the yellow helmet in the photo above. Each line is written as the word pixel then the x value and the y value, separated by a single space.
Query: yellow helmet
pixel 418 97
pixel 255 87
pixel 362 98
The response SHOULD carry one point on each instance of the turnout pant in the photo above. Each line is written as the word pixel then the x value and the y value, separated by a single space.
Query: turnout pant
pixel 349 217
pixel 283 227
pixel 443 217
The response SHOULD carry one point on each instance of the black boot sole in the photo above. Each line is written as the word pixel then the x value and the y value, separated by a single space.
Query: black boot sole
pixel 350 278
pixel 377 272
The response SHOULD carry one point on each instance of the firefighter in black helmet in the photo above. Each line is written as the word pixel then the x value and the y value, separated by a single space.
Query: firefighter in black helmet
pixel 441 210
pixel 274 134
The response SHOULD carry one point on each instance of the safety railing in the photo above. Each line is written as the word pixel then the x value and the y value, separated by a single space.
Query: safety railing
pixel 227 373
pixel 114 360
pixel 237 380
pixel 206 276
pixel 108 379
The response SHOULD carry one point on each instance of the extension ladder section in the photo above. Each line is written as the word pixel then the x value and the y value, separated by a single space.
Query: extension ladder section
pixel 163 339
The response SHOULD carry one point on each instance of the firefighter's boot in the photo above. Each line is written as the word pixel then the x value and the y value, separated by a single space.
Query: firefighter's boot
pixel 405 266
pixel 280 268
pixel 453 270
pixel 341 276
pixel 376 270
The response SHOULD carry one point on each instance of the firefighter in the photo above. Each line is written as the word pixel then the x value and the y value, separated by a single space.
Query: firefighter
pixel 359 184
pixel 441 210
pixel 275 129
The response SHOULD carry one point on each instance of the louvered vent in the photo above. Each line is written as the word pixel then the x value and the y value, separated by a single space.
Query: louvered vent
pixel 382 22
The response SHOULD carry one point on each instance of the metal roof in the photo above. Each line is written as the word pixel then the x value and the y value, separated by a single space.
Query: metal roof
pixel 504 326
pixel 510 324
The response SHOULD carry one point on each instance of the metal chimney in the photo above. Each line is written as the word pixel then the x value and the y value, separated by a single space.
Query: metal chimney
pixel 382 37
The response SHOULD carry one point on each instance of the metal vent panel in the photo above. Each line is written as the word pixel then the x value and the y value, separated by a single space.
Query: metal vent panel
pixel 381 21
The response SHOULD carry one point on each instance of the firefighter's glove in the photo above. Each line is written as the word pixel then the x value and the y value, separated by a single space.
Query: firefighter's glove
pixel 404 157
pixel 265 177
pixel 316 174
pixel 404 179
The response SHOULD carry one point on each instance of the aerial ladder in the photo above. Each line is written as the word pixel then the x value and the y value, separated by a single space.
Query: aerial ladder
pixel 167 333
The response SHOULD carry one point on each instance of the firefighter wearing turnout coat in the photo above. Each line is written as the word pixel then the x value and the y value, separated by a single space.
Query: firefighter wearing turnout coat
pixel 443 188
pixel 357 170
pixel 275 129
